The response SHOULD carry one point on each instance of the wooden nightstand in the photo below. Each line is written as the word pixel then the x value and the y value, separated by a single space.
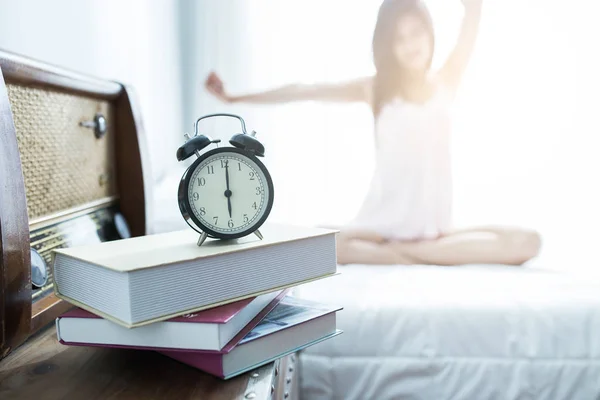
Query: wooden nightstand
pixel 44 369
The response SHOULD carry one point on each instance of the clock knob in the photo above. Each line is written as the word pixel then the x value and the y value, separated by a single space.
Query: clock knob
pixel 193 146
pixel 248 143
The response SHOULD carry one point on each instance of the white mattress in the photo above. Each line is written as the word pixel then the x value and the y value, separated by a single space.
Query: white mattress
pixel 480 332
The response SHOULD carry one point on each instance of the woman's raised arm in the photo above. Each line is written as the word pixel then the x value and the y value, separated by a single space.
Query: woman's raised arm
pixel 357 90
pixel 451 72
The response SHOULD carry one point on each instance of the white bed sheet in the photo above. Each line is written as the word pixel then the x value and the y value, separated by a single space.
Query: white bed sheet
pixel 469 332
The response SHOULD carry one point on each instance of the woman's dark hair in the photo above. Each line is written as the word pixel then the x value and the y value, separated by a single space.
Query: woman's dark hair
pixel 388 81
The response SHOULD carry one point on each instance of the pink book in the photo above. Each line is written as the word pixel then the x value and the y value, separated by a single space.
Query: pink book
pixel 292 325
pixel 210 329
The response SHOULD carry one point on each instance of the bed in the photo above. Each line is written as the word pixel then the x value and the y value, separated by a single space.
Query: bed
pixel 469 332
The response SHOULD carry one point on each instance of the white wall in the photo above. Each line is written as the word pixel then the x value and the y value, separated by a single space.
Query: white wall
pixel 134 42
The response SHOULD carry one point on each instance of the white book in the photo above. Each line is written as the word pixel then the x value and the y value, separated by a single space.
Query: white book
pixel 210 329
pixel 146 279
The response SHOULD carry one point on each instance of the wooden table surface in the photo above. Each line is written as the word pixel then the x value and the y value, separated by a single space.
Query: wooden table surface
pixel 44 369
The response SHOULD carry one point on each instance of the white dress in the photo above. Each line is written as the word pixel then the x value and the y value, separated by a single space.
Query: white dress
pixel 410 195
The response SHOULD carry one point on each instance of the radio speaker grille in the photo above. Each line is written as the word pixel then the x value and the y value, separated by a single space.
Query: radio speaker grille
pixel 64 164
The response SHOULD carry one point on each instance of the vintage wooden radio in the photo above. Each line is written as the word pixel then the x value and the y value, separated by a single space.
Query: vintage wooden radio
pixel 72 171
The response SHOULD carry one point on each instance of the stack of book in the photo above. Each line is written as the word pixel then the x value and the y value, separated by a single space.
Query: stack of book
pixel 224 307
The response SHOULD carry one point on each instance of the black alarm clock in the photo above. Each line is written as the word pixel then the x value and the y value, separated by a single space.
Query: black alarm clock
pixel 227 192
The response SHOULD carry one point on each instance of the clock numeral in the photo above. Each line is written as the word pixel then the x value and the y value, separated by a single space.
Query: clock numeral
pixel 201 181
pixel 211 169
pixel 216 220
pixel 246 217
pixel 254 205
pixel 202 211
pixel 224 163
pixel 239 166
pixel 230 223
pixel 259 190
pixel 251 175
pixel 195 196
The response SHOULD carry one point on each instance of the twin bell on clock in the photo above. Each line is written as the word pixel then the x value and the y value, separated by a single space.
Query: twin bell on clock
pixel 227 192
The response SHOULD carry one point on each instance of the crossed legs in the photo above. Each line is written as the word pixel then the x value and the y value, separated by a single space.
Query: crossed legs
pixel 484 245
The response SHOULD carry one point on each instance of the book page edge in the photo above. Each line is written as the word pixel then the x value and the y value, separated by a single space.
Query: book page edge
pixel 188 311
pixel 192 310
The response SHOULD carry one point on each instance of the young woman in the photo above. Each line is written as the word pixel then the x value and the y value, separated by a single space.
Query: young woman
pixel 406 216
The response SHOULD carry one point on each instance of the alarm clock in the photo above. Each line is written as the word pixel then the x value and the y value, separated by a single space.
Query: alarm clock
pixel 227 192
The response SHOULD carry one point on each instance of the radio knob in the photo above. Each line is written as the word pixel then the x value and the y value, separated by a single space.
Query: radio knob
pixel 39 271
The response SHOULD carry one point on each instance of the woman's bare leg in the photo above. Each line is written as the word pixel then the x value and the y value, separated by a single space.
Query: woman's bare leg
pixel 364 247
pixel 486 245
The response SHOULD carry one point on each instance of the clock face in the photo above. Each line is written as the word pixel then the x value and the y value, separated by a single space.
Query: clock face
pixel 229 193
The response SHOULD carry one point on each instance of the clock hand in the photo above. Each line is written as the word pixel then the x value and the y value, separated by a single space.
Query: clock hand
pixel 227 191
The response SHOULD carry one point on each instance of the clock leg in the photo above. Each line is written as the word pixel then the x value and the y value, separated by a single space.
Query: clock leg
pixel 257 233
pixel 202 238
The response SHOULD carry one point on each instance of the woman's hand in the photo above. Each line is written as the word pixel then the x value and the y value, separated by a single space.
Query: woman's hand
pixel 214 85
